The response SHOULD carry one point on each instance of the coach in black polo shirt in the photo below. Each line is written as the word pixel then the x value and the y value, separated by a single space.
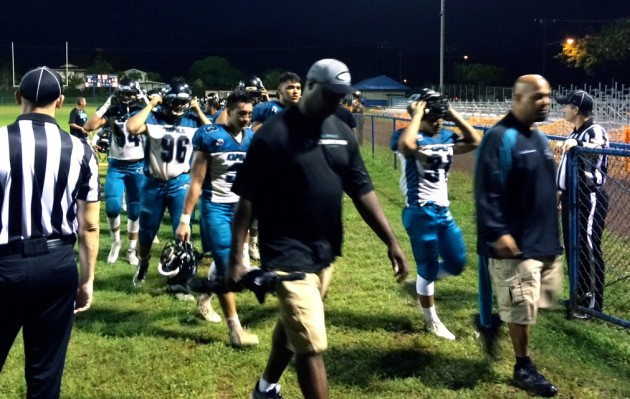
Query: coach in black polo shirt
pixel 49 193
pixel 297 168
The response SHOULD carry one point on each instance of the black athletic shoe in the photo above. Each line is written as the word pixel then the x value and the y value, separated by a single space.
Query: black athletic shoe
pixel 273 394
pixel 489 335
pixel 140 275
pixel 578 315
pixel 529 379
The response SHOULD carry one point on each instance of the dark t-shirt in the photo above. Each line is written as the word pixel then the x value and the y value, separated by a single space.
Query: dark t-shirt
pixel 295 174
pixel 346 116
pixel 79 117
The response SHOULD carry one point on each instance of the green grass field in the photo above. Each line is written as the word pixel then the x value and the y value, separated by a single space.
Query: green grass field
pixel 140 343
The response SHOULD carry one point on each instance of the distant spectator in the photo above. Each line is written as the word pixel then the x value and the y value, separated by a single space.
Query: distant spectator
pixel 77 119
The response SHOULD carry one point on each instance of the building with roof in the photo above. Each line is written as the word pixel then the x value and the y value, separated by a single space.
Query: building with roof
pixel 382 91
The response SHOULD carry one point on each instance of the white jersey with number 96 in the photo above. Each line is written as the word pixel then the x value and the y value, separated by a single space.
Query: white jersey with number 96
pixel 169 147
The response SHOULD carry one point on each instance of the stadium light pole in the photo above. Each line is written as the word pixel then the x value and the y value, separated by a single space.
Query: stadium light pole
pixel 442 23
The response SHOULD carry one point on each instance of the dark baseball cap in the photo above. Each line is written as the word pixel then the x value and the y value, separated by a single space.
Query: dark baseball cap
pixel 41 85
pixel 579 98
pixel 332 74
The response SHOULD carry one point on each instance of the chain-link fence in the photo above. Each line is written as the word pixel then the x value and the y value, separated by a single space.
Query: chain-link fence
pixel 597 228
pixel 596 232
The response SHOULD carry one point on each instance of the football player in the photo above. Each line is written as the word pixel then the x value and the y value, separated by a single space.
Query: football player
pixel 124 169
pixel 426 151
pixel 169 130
pixel 289 92
pixel 219 152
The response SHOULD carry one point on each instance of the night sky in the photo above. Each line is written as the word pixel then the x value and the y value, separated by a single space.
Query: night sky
pixel 399 38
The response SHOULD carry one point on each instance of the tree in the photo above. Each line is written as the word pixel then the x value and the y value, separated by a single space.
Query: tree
pixel 271 78
pixel 215 72
pixel 607 50
pixel 154 77
pixel 6 75
pixel 479 74
pixel 137 76
pixel 100 65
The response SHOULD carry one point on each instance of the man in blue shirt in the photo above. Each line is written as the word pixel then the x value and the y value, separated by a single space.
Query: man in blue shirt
pixel 517 221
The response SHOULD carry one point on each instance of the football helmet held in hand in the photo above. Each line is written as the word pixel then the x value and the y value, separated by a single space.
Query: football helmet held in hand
pixel 437 106
pixel 179 261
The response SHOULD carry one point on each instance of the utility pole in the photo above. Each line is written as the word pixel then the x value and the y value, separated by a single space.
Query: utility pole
pixel 442 23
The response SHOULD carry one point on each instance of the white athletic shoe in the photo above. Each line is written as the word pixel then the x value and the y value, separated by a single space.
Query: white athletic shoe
pixel 132 257
pixel 438 329
pixel 241 338
pixel 204 306
pixel 254 251
pixel 180 296
pixel 113 252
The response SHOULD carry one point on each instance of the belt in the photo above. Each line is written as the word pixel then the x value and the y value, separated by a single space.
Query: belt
pixel 35 246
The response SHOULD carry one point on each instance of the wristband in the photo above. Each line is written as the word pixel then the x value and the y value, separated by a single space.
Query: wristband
pixel 101 111
pixel 184 219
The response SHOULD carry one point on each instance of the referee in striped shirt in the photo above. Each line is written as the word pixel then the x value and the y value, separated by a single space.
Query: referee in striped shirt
pixel 49 194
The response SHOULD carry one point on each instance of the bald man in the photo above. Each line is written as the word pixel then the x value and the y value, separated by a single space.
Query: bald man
pixel 517 221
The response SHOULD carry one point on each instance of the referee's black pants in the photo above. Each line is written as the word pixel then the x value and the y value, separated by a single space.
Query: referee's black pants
pixel 592 211
pixel 37 294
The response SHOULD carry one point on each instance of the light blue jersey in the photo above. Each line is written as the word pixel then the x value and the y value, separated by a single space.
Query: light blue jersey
pixel 266 110
pixel 227 153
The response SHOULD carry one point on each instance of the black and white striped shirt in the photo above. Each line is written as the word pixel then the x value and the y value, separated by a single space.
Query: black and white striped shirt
pixel 593 172
pixel 43 172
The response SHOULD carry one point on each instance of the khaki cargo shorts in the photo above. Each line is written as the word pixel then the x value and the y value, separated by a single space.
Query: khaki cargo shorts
pixel 302 311
pixel 524 285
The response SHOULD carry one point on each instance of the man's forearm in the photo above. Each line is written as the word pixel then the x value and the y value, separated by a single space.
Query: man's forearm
pixel 370 210
pixel 88 239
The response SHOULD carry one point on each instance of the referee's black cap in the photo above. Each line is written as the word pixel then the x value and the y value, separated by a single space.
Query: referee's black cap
pixel 579 98
pixel 41 85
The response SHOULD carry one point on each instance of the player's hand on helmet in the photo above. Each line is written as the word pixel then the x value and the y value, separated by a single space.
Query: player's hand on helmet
pixel 399 262
pixel 505 248
pixel 155 100
pixel 417 108
pixel 264 94
pixel 194 103
pixel 183 232
pixel 451 114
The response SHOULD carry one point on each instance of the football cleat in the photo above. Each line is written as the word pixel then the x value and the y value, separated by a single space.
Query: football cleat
pixel 438 329
pixel 113 252
pixel 132 257
pixel 242 338
pixel 140 275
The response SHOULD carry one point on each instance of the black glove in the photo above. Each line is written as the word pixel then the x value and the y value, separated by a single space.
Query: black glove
pixel 258 281
pixel 261 282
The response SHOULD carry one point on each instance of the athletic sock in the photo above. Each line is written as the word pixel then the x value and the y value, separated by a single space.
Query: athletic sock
pixel 234 324
pixel 430 314
pixel 114 227
pixel 264 386
pixel 132 244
